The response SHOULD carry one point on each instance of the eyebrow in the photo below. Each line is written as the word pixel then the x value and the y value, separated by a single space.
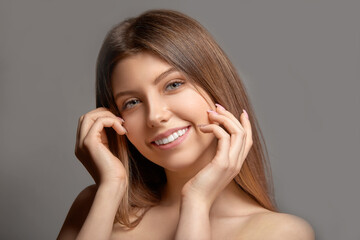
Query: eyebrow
pixel 157 79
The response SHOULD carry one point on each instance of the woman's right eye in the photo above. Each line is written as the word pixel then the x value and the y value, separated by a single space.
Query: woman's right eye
pixel 130 104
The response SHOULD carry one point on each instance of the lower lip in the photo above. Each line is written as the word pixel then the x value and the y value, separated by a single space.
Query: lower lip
pixel 173 143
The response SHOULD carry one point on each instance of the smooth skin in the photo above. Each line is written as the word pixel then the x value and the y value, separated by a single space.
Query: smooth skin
pixel 200 200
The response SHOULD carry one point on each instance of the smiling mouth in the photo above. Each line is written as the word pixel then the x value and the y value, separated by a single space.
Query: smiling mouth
pixel 172 137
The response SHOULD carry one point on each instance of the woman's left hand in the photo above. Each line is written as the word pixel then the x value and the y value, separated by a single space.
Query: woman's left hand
pixel 234 143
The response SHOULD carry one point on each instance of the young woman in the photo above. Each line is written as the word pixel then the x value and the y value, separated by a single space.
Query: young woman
pixel 170 148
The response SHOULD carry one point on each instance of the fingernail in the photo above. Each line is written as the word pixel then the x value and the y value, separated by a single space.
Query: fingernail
pixel 211 111
pixel 246 114
pixel 219 106
pixel 122 120
pixel 201 125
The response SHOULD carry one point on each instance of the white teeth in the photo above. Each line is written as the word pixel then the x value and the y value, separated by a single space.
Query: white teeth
pixel 172 137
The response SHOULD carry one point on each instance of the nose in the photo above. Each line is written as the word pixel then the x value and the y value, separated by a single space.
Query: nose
pixel 158 112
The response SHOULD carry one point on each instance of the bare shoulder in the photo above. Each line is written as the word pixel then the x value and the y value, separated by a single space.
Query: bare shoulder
pixel 78 213
pixel 274 225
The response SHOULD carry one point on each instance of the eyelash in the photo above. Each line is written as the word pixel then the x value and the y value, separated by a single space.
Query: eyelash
pixel 125 105
pixel 174 82
pixel 128 102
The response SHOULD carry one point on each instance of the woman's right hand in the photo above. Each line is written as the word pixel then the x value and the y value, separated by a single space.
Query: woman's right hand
pixel 92 148
pixel 92 214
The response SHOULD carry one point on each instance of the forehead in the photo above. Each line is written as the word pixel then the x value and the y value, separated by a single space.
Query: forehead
pixel 139 67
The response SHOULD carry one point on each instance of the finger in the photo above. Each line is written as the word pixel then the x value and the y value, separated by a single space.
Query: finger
pixel 97 134
pixel 237 137
pixel 230 126
pixel 223 146
pixel 103 122
pixel 247 142
pixel 94 112
pixel 221 110
pixel 90 118
pixel 236 132
pixel 78 132
pixel 247 126
pixel 240 158
pixel 111 122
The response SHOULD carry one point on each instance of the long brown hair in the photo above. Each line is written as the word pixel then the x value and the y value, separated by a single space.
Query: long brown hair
pixel 186 45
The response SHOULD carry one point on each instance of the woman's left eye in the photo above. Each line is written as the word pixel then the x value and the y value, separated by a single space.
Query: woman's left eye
pixel 173 85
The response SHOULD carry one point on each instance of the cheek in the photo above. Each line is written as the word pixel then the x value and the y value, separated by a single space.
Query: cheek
pixel 134 126
pixel 194 105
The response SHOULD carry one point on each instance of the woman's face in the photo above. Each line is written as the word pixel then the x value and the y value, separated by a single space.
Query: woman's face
pixel 162 109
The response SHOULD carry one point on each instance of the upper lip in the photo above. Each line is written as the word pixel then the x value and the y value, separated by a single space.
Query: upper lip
pixel 167 133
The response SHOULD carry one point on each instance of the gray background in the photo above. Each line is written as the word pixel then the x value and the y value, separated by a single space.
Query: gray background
pixel 300 63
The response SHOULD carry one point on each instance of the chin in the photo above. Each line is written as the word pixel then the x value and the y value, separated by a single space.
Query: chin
pixel 179 167
pixel 185 162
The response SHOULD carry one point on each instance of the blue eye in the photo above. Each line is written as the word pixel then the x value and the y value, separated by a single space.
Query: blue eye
pixel 131 103
pixel 174 85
